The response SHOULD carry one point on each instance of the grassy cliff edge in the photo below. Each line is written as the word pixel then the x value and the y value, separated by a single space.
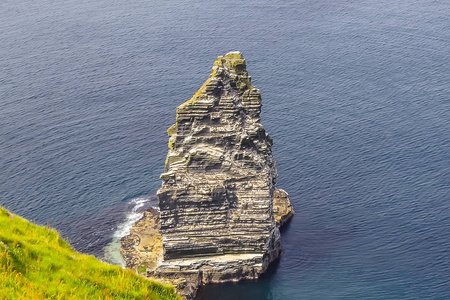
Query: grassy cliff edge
pixel 36 263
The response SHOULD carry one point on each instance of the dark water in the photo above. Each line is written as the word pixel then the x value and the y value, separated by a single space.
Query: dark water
pixel 356 96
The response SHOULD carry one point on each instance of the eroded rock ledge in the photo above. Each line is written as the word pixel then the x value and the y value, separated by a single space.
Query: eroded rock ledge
pixel 282 207
pixel 219 209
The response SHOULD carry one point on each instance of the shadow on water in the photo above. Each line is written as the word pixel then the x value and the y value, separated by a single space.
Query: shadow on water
pixel 286 226
pixel 271 270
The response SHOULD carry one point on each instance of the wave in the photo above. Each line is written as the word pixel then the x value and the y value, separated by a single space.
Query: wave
pixel 138 206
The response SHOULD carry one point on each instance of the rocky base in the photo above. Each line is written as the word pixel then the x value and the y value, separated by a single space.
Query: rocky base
pixel 215 269
pixel 143 252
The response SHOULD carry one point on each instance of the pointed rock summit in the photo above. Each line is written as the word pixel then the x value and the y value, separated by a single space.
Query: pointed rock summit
pixel 217 216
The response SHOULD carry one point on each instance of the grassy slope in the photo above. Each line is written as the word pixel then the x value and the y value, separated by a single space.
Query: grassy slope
pixel 36 263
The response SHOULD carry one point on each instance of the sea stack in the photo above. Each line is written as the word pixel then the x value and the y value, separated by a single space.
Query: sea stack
pixel 220 175
pixel 217 214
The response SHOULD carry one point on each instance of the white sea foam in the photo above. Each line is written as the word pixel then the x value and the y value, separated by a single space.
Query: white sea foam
pixel 112 250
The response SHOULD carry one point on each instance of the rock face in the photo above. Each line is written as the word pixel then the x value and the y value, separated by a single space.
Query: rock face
pixel 220 175
pixel 217 220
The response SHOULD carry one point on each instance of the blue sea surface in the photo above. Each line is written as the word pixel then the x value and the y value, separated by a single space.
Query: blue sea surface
pixel 356 95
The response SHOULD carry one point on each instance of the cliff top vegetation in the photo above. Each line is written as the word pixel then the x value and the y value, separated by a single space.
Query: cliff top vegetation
pixel 36 263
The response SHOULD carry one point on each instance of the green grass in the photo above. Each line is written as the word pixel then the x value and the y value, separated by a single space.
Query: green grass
pixel 36 263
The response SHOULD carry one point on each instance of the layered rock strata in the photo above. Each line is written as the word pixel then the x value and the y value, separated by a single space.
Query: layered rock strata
pixel 217 197
pixel 220 175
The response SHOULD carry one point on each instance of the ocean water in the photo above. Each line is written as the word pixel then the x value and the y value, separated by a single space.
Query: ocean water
pixel 356 95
